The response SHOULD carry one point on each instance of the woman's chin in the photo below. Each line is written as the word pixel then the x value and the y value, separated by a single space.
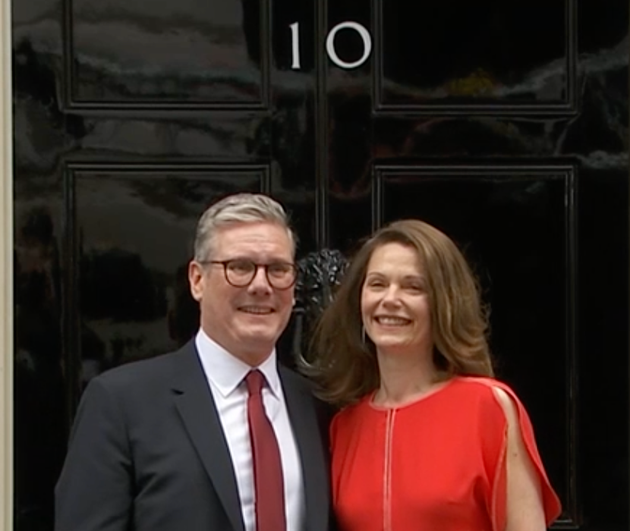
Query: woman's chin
pixel 393 346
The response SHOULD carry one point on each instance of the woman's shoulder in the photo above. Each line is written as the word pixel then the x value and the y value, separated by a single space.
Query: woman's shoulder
pixel 483 385
pixel 358 407
pixel 488 393
pixel 351 413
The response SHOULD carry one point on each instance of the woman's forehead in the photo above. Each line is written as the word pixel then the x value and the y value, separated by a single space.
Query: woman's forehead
pixel 394 257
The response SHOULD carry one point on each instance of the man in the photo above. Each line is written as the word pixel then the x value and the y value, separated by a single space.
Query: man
pixel 215 436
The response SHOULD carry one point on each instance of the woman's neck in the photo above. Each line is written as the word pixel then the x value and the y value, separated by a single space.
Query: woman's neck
pixel 404 377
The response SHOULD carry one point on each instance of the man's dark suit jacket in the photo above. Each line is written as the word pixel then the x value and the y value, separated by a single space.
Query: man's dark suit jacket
pixel 147 452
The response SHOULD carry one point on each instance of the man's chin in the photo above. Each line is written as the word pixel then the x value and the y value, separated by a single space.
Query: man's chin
pixel 262 337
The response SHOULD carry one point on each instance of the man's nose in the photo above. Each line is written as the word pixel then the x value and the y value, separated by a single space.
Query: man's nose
pixel 260 282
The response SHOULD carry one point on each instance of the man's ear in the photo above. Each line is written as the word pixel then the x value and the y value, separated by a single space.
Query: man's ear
pixel 195 280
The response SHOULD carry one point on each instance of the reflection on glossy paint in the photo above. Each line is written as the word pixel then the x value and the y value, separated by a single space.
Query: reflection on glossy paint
pixel 182 51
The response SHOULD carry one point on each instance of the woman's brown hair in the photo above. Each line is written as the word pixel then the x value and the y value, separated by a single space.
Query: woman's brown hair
pixel 346 367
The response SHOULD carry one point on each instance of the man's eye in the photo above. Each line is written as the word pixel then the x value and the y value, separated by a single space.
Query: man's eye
pixel 278 269
pixel 241 266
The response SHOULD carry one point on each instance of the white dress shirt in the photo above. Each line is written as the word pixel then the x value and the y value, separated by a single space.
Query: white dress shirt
pixel 225 374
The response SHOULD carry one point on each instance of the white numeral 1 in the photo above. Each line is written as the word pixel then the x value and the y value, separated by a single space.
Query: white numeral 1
pixel 295 44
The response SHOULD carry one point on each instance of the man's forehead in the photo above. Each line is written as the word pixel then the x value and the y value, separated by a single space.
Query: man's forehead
pixel 245 235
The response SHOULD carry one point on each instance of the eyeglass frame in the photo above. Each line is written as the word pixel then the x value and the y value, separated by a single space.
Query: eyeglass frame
pixel 257 266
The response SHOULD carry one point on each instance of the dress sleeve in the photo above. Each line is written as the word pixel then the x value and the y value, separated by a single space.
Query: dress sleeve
pixel 551 502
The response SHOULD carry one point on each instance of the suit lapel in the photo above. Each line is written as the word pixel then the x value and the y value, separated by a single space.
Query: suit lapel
pixel 196 406
pixel 300 406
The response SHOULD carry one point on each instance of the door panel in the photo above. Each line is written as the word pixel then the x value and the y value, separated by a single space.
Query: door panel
pixel 132 230
pixel 517 227
pixel 505 124
pixel 132 54
pixel 491 56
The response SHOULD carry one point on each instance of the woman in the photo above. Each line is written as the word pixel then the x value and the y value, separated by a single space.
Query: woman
pixel 427 439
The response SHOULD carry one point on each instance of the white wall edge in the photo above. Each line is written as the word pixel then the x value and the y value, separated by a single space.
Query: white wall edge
pixel 6 273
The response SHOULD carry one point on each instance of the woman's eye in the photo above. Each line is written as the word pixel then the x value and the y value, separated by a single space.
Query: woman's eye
pixel 415 288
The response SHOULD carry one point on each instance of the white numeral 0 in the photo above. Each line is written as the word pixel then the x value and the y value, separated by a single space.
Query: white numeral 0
pixel 330 44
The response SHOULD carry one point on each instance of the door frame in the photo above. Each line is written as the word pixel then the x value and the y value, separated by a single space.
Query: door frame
pixel 6 271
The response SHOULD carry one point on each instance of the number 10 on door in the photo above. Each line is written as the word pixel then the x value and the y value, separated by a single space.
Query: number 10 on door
pixel 330 45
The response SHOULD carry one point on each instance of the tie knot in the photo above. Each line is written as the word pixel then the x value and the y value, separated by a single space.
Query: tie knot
pixel 255 381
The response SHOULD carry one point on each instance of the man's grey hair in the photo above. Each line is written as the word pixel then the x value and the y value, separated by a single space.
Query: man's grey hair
pixel 238 208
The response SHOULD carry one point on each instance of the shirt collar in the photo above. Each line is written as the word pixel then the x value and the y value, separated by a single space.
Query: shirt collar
pixel 226 371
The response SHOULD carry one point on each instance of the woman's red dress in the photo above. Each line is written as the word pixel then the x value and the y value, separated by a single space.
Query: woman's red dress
pixel 436 464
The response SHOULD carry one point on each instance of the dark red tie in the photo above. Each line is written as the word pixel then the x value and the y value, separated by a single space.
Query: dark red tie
pixel 268 483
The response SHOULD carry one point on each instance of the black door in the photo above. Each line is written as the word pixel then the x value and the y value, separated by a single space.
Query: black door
pixel 503 123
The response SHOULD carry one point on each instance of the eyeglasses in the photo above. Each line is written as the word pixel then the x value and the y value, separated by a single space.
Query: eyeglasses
pixel 240 272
